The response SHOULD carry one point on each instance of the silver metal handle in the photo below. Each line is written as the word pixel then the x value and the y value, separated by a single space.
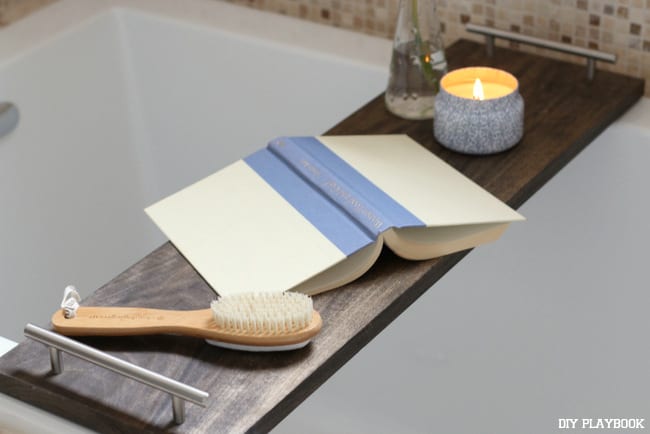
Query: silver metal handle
pixel 9 117
pixel 179 392
pixel 591 55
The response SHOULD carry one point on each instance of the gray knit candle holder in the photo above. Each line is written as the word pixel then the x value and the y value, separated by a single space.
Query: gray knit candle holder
pixel 464 124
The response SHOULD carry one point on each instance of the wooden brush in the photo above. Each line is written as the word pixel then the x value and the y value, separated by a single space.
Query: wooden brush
pixel 250 322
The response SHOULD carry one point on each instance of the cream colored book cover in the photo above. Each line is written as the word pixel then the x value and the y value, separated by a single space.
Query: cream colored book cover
pixel 311 214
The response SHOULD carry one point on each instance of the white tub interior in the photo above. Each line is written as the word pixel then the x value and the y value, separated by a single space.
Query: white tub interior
pixel 129 106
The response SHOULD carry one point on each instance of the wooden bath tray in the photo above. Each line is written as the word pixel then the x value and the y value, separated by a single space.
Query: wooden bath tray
pixel 253 392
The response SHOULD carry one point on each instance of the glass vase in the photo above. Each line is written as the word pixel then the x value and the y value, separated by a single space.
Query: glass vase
pixel 418 61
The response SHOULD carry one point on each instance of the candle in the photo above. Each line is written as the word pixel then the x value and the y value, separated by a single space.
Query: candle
pixel 478 111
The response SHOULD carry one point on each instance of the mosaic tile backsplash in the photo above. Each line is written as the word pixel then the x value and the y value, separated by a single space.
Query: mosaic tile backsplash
pixel 621 27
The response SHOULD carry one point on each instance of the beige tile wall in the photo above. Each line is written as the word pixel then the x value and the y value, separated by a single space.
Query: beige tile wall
pixel 617 26
pixel 12 10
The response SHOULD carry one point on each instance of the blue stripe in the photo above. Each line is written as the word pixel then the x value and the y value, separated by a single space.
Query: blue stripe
pixel 329 219
pixel 393 212
pixel 327 183
pixel 341 203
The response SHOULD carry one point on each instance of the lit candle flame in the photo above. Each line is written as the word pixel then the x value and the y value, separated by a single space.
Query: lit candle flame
pixel 478 90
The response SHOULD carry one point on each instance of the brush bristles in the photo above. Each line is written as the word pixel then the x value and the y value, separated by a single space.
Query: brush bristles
pixel 273 313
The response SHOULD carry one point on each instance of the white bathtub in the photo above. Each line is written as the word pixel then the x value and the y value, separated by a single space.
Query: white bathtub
pixel 120 106
pixel 124 102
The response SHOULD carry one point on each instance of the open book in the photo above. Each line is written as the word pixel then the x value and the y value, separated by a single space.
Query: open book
pixel 312 213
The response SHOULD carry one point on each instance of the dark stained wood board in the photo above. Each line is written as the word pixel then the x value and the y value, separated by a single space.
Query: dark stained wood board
pixel 253 392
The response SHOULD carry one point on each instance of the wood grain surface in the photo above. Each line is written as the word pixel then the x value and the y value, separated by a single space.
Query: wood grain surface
pixel 253 392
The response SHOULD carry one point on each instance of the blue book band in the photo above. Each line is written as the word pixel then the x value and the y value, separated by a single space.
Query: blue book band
pixel 341 203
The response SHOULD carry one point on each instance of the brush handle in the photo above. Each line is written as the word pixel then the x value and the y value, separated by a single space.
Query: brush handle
pixel 129 321
pixel 125 321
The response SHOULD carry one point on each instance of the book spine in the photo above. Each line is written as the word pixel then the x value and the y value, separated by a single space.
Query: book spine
pixel 293 152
